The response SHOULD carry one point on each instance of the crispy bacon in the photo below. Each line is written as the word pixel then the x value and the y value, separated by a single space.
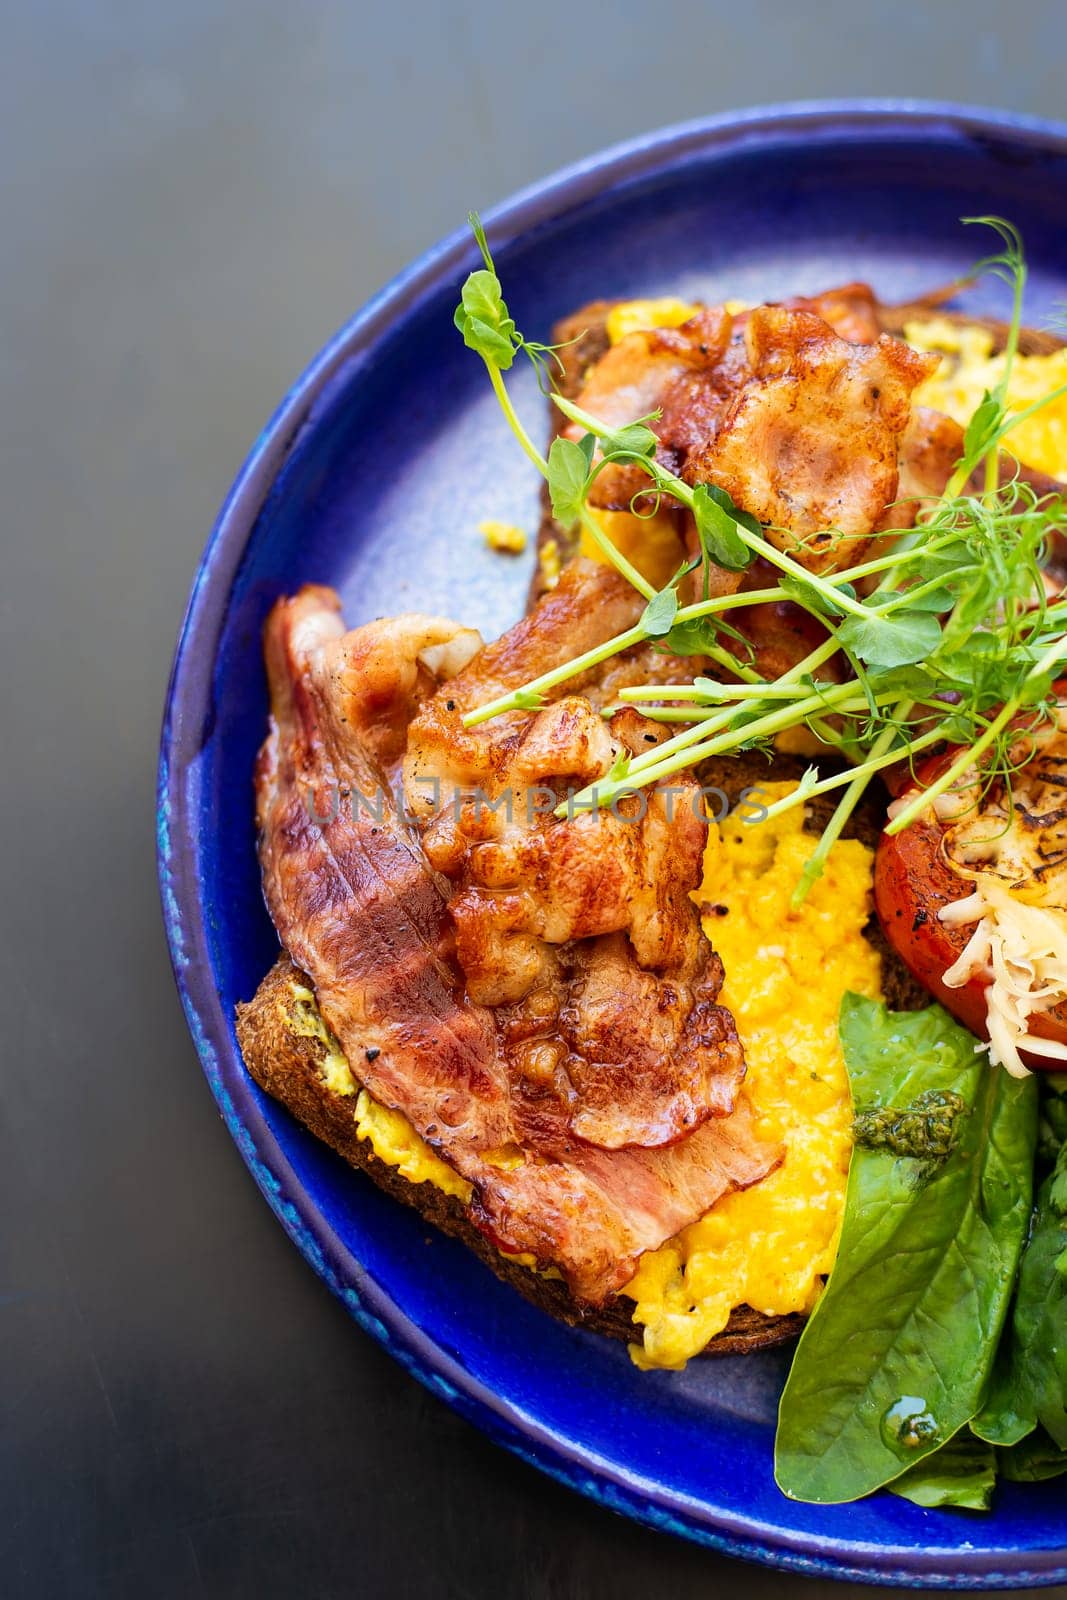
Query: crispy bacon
pixel 851 311
pixel 931 449
pixel 595 1111
pixel 799 410
pixel 352 901
pixel 686 373
pixel 812 441
pixel 529 884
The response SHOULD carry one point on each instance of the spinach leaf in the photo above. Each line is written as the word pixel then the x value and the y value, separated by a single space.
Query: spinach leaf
pixel 1032 1461
pixel 1052 1124
pixel 895 1359
pixel 1030 1379
pixel 961 1473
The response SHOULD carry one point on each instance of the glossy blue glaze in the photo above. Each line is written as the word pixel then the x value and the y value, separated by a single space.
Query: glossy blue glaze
pixel 372 476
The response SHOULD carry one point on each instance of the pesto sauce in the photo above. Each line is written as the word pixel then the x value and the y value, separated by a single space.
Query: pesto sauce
pixel 928 1129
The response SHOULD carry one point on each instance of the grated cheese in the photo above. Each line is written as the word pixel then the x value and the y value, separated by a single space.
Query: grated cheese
pixel 1023 949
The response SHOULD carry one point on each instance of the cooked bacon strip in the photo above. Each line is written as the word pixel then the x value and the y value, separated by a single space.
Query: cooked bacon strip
pixel 930 451
pixel 797 409
pixel 360 910
pixel 812 441
pixel 684 373
pixel 541 903
pixel 352 901
pixel 639 1042
pixel 529 882
pixel 632 377
pixel 852 311
pixel 778 405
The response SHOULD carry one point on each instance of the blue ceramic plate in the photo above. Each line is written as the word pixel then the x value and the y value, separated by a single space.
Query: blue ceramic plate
pixel 372 476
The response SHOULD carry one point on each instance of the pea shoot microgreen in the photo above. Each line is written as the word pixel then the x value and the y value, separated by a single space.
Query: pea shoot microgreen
pixel 955 643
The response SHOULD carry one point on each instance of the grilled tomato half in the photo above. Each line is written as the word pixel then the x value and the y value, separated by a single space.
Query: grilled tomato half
pixel 973 898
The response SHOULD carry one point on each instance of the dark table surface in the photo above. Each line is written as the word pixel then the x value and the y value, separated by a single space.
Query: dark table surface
pixel 194 197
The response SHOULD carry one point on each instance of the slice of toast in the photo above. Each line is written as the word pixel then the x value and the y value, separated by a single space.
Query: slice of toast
pixel 289 1065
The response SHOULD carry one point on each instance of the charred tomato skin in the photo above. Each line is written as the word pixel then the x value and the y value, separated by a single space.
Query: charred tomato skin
pixel 912 882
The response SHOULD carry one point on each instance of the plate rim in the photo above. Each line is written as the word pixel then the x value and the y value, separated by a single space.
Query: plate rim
pixel 189 687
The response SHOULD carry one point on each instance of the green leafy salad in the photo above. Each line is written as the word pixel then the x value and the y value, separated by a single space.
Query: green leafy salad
pixel 937 1356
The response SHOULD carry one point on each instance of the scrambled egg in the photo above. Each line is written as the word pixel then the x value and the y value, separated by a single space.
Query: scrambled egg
pixel 786 973
pixel 653 544
pixel 549 563
pixel 503 536
pixel 394 1141
pixel 307 1022
pixel 634 316
pixel 968 368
